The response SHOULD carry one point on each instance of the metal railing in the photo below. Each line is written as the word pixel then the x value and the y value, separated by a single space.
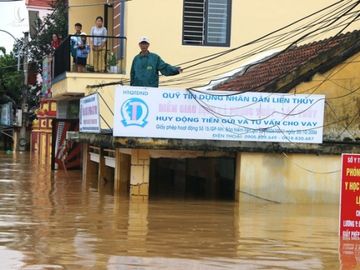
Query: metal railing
pixel 84 53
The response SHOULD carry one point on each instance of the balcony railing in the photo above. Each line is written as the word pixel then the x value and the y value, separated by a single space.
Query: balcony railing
pixel 83 53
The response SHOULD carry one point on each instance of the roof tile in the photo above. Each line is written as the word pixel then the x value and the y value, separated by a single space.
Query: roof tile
pixel 258 76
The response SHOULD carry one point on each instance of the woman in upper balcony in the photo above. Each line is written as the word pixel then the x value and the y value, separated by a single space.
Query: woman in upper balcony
pixel 98 44
pixel 55 41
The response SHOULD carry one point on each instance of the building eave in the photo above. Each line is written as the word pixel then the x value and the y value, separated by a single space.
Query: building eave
pixel 108 141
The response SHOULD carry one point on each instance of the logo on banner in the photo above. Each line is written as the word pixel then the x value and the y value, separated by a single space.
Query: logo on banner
pixel 134 112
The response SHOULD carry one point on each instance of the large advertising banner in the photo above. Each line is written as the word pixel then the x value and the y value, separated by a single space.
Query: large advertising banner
pixel 218 115
pixel 89 115
pixel 350 197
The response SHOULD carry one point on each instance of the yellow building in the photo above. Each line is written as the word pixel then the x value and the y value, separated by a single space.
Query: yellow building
pixel 170 26
pixel 209 39
pixel 181 31
pixel 305 173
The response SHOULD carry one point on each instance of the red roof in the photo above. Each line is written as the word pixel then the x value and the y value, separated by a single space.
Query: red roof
pixel 260 76
pixel 39 3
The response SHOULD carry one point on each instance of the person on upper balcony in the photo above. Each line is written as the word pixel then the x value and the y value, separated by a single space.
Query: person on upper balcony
pixel 82 52
pixel 55 41
pixel 146 66
pixel 75 43
pixel 98 44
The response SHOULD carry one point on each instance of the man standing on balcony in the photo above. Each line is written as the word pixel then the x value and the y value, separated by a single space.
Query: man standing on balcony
pixel 146 66
pixel 98 41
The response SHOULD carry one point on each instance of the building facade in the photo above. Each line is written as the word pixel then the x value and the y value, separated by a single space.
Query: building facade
pixel 329 67
pixel 209 39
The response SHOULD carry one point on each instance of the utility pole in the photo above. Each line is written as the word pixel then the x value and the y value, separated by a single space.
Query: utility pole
pixel 23 140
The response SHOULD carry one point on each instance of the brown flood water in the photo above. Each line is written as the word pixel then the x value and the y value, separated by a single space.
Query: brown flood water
pixel 49 221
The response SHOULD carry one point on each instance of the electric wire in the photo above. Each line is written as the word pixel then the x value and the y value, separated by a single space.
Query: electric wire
pixel 262 49
pixel 218 115
pixel 216 55
pixel 208 109
pixel 314 89
pixel 265 36
pixel 181 81
pixel 346 127
pixel 309 170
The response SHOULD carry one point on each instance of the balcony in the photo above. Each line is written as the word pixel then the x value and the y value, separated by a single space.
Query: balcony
pixel 78 63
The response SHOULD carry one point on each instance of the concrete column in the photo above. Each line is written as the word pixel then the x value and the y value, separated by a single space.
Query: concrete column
pixel 122 172
pixel 105 174
pixel 237 176
pixel 139 174
pixel 88 166
pixel 211 180
pixel 101 168
pixel 15 140
pixel 180 177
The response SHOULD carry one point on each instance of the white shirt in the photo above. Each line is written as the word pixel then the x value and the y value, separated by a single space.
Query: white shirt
pixel 96 31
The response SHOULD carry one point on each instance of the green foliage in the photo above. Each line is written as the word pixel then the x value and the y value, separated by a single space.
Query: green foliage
pixel 53 23
pixel 40 45
pixel 112 59
pixel 11 81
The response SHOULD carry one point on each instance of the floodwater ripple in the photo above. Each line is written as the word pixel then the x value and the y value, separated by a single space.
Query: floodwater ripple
pixel 49 220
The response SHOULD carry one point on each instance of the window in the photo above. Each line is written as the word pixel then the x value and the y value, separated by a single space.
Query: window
pixel 206 22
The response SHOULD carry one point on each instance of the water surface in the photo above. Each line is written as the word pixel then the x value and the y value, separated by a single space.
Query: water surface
pixel 51 221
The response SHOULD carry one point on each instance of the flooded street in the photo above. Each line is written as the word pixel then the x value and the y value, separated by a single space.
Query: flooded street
pixel 49 220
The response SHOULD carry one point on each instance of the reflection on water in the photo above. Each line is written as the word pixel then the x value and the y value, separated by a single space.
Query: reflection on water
pixel 50 221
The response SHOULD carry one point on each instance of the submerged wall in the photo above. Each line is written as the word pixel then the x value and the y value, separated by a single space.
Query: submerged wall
pixel 292 178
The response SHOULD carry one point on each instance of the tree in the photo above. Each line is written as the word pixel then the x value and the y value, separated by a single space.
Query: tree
pixel 11 80
pixel 53 23
pixel 40 46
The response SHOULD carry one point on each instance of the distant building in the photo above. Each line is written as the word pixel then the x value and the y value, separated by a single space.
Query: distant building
pixel 38 9
pixel 43 7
